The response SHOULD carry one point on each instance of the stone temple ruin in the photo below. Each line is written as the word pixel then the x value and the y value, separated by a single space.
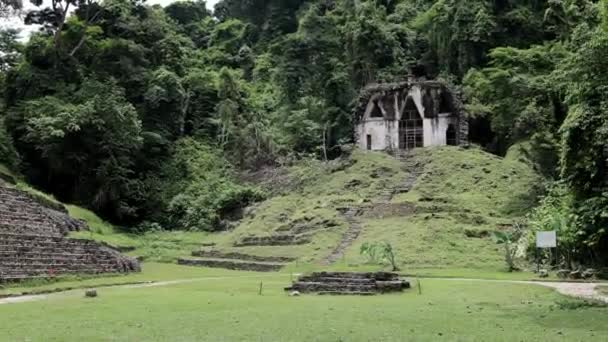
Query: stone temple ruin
pixel 410 114
pixel 33 242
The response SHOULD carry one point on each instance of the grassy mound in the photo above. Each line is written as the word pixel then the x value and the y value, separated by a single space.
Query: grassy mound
pixel 462 197
pixel 446 221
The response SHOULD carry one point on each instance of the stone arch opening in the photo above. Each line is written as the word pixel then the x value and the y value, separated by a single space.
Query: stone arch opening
pixel 411 127
pixel 376 111
pixel 451 136
pixel 445 103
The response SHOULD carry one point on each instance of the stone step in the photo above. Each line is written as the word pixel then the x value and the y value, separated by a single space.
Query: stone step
pixel 232 264
pixel 349 283
pixel 346 293
pixel 381 276
pixel 337 280
pixel 58 270
pixel 378 286
pixel 273 240
pixel 214 254
pixel 305 287
pixel 45 259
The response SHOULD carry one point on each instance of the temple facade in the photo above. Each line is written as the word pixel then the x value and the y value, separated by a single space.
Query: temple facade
pixel 408 115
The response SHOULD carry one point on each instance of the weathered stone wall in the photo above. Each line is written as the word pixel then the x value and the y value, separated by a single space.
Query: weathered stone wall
pixel 384 134
pixel 391 99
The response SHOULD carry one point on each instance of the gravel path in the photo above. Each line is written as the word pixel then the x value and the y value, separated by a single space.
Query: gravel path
pixel 578 290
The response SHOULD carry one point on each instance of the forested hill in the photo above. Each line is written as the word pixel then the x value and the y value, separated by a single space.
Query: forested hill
pixel 145 113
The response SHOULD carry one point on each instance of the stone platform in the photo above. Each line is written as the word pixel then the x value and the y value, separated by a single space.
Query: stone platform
pixel 349 283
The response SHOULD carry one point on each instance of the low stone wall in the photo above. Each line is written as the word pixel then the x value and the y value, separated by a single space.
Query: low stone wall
pixel 240 256
pixel 232 264
pixel 273 240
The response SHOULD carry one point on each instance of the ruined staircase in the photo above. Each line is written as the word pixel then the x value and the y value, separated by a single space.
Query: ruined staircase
pixel 352 214
pixel 33 243
pixel 350 235
pixel 349 283
pixel 235 261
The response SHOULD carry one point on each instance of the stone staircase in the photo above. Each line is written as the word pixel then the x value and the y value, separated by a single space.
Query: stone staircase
pixel 20 213
pixel 235 261
pixel 349 283
pixel 34 256
pixel 414 170
pixel 350 235
pixel 33 242
pixel 383 203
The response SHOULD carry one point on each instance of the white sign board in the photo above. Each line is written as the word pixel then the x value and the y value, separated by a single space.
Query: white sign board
pixel 546 239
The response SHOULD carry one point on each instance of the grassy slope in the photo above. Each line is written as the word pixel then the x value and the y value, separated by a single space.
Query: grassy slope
pixel 220 309
pixel 467 190
pixel 462 190
pixel 321 191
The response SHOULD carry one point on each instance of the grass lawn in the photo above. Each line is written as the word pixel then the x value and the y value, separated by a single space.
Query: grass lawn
pixel 226 307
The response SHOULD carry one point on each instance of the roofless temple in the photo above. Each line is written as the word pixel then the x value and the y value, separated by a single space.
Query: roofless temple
pixel 409 114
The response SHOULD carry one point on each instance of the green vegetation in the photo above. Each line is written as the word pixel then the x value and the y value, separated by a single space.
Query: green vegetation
pixel 191 311
pixel 452 217
pixel 152 124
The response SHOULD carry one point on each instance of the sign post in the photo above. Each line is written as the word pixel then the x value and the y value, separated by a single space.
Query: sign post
pixel 544 240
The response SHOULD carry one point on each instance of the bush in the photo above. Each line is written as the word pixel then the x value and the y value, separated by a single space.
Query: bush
pixel 197 188
pixel 377 253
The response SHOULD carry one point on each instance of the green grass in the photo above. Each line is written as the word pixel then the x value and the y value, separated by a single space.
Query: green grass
pixel 5 170
pixel 150 272
pixel 221 309
pixel 165 246
pixel 461 194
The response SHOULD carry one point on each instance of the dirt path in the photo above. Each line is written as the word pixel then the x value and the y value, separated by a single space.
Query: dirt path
pixel 578 290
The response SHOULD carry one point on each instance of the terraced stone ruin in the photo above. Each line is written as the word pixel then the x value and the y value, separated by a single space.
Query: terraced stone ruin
pixel 349 283
pixel 235 261
pixel 34 242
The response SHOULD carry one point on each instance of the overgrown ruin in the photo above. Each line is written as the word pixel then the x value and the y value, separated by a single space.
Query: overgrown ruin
pixel 34 242
pixel 349 283
pixel 409 114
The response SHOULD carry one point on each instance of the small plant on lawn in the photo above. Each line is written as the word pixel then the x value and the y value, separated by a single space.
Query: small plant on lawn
pixel 377 253
pixel 508 239
pixel 370 251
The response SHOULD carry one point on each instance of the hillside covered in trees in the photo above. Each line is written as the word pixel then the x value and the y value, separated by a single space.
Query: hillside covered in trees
pixel 150 115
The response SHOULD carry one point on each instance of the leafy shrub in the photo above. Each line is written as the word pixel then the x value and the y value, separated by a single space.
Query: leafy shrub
pixel 197 188
pixel 377 253
pixel 508 239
